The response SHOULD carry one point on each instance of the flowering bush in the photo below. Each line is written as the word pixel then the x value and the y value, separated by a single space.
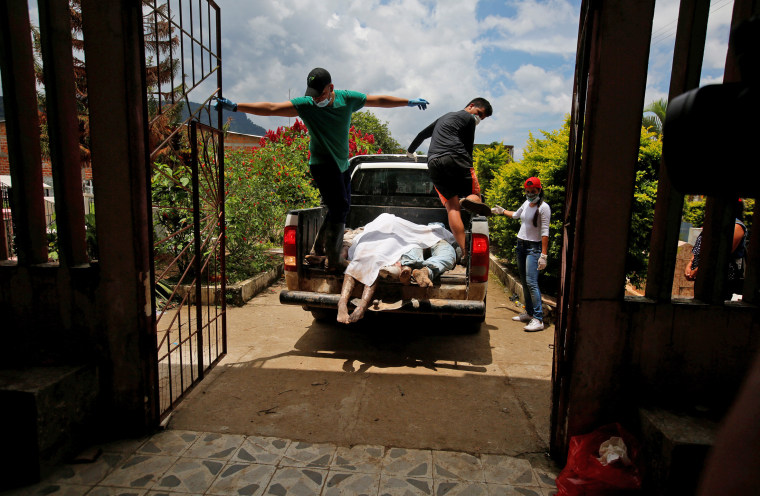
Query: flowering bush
pixel 263 184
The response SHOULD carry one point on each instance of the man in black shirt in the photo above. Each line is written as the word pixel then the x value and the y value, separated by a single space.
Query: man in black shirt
pixel 450 163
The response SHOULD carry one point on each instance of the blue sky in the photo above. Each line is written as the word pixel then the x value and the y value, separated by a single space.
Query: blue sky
pixel 519 54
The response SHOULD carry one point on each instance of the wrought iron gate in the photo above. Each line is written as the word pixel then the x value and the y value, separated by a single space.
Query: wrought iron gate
pixel 183 58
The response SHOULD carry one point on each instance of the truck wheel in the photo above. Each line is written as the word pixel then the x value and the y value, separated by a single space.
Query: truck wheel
pixel 324 314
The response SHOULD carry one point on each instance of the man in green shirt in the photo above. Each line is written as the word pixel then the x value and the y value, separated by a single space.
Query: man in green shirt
pixel 327 115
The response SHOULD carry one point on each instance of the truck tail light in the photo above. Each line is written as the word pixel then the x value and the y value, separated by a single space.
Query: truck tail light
pixel 289 248
pixel 479 259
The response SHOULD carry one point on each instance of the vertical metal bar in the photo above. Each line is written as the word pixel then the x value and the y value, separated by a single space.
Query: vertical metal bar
pixel 210 55
pixel 200 28
pixel 223 243
pixel 4 249
pixel 23 129
pixel 63 130
pixel 158 56
pixel 192 40
pixel 220 121
pixel 182 46
pixel 197 239
pixel 752 276
pixel 687 68
pixel 170 26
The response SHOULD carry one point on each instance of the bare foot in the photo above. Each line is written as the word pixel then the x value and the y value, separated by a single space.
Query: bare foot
pixel 343 316
pixel 406 275
pixel 357 314
pixel 422 277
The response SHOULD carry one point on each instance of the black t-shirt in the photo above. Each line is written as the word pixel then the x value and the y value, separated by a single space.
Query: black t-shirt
pixel 452 133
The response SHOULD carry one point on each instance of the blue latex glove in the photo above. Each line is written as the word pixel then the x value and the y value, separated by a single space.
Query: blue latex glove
pixel 223 103
pixel 420 103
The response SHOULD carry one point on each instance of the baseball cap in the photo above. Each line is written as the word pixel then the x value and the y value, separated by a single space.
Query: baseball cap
pixel 533 182
pixel 316 81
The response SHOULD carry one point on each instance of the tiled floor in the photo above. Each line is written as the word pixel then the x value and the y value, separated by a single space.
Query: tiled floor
pixel 197 463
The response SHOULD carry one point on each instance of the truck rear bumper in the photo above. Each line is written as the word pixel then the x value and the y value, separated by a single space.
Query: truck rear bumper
pixel 422 306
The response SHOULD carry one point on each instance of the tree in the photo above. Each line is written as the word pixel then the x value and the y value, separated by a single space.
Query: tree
pixel 487 161
pixel 368 123
pixel 656 120
pixel 546 158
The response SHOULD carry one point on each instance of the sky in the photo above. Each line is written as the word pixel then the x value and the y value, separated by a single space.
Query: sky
pixel 518 54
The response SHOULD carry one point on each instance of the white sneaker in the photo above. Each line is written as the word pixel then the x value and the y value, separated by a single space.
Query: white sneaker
pixel 534 325
pixel 523 317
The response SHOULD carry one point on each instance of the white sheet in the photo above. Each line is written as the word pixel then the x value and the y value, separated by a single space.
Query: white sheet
pixel 383 242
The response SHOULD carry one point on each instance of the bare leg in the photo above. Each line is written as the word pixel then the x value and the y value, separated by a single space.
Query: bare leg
pixel 358 312
pixel 455 222
pixel 345 294
pixel 422 276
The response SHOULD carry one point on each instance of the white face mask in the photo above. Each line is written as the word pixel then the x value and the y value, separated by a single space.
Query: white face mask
pixel 477 119
pixel 323 103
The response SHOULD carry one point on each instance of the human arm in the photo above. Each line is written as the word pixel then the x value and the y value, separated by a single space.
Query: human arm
pixel 738 235
pixel 422 136
pixel 542 260
pixel 282 109
pixel 688 272
pixel 387 101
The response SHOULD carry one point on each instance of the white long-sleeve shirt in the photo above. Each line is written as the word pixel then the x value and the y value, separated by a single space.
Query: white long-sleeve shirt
pixel 525 213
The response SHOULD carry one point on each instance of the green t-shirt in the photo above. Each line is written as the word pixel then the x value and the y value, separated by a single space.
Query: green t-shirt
pixel 328 126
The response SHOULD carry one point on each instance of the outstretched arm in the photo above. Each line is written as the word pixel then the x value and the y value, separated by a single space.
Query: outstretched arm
pixel 282 109
pixel 422 136
pixel 387 101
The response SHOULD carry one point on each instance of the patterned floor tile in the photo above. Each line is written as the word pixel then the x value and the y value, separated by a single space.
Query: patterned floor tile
pixel 502 469
pixel 116 491
pixel 243 479
pixel 124 446
pixel 171 443
pixel 87 473
pixel 215 446
pixel 48 489
pixel 460 488
pixel 168 493
pixel 301 454
pixel 408 462
pixel 547 491
pixel 405 486
pixel 505 490
pixel 139 471
pixel 295 481
pixel 341 483
pixel 545 468
pixel 362 458
pixel 189 475
pixel 457 466
pixel 264 450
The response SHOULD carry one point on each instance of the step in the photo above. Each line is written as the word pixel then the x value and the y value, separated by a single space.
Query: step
pixel 45 412
pixel 675 448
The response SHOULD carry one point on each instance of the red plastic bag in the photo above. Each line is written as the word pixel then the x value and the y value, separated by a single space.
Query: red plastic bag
pixel 584 475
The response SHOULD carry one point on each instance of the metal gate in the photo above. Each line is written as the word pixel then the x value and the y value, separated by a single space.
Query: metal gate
pixel 183 63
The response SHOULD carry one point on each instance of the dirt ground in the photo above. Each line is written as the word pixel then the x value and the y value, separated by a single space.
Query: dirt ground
pixel 394 381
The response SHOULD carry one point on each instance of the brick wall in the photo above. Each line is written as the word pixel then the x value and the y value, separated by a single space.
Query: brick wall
pixel 238 140
pixel 681 287
pixel 5 168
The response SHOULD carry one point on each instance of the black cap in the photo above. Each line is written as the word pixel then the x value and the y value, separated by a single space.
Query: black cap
pixel 316 81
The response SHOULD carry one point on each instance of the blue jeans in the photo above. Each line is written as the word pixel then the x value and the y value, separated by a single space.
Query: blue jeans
pixel 443 257
pixel 528 253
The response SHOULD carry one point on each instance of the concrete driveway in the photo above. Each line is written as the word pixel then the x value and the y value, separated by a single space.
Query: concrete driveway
pixel 396 381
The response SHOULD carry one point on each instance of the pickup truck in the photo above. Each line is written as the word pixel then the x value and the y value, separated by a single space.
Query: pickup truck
pixel 399 185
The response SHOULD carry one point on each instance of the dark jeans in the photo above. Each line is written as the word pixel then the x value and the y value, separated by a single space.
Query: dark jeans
pixel 335 188
pixel 528 253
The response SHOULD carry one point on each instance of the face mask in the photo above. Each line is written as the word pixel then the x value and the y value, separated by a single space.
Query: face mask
pixel 533 198
pixel 477 119
pixel 323 103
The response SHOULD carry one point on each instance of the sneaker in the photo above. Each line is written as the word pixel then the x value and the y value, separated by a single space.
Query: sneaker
pixel 523 317
pixel 476 207
pixel 534 325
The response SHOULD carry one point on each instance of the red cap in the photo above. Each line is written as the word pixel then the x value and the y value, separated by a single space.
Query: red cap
pixel 533 182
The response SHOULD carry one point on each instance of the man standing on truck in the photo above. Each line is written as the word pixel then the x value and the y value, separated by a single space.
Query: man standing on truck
pixel 450 163
pixel 327 115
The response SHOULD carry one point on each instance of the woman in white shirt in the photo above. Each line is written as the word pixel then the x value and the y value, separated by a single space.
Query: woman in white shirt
pixel 532 246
